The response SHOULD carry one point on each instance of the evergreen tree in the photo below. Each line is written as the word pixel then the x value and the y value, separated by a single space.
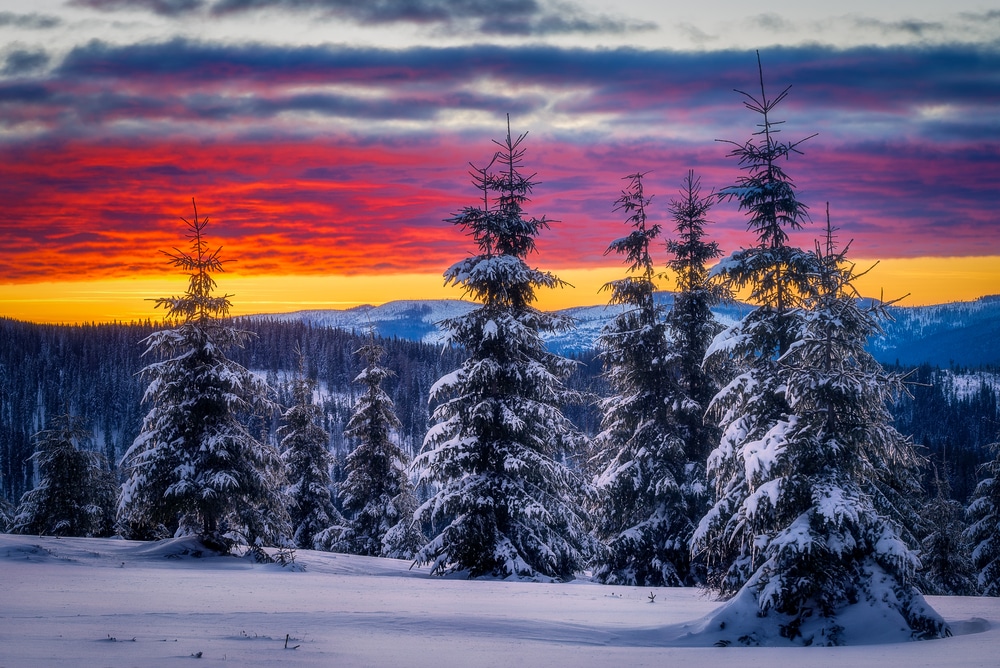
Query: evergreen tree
pixel 809 472
pixel 195 469
pixel 6 515
pixel 753 402
pixel 75 492
pixel 305 450
pixel 816 504
pixel 642 514
pixel 691 323
pixel 945 554
pixel 506 503
pixel 377 496
pixel 984 525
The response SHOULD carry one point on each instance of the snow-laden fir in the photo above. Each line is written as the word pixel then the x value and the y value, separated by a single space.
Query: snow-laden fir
pixel 195 468
pixel 813 484
pixel 650 452
pixel 505 504
pixel 377 496
pixel 305 452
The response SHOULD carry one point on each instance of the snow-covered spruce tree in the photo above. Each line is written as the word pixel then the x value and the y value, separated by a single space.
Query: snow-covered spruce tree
pixel 305 450
pixel 195 469
pixel 777 276
pixel 819 514
pixel 945 553
pixel 691 323
pixel 75 493
pixel 506 505
pixel 809 469
pixel 377 496
pixel 984 526
pixel 642 514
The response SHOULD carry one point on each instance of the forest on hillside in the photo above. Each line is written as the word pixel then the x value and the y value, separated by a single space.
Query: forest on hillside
pixel 92 371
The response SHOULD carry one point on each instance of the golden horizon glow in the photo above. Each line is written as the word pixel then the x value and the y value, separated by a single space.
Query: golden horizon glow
pixel 928 280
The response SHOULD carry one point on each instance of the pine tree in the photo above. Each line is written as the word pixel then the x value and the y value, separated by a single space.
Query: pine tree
pixel 377 496
pixel 945 554
pixel 506 503
pixel 809 473
pixel 305 451
pixel 642 515
pixel 984 525
pixel 75 492
pixel 195 469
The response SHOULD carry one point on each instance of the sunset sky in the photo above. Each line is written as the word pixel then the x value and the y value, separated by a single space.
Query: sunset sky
pixel 327 140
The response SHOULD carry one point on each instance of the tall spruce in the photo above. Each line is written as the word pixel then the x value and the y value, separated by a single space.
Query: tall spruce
pixel 642 515
pixel 809 472
pixel 305 450
pixel 506 503
pixel 75 491
pixel 377 496
pixel 195 468
pixel 984 525
pixel 690 321
pixel 753 402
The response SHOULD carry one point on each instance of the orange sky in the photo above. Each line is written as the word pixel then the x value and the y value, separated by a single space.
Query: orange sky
pixel 928 280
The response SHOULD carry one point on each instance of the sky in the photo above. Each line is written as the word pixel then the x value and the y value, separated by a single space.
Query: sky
pixel 328 141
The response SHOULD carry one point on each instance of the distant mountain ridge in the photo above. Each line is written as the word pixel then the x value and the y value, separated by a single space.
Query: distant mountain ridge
pixel 954 334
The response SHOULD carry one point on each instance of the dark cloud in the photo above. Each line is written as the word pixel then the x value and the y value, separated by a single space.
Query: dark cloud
pixel 885 77
pixel 29 21
pixel 24 93
pixel 772 21
pixel 500 17
pixel 23 61
pixel 392 11
pixel 188 80
pixel 162 7
pixel 911 27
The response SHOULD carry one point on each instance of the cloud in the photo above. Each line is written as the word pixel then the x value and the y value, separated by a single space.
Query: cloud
pixel 330 205
pixel 172 8
pixel 911 27
pixel 202 88
pixel 772 21
pixel 497 17
pixel 696 34
pixel 24 61
pixel 29 21
pixel 306 154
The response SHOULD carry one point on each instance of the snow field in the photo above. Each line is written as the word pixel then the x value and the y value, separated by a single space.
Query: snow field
pixel 102 602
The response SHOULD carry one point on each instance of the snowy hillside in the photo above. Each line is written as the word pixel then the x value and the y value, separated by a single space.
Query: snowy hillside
pixel 961 333
pixel 94 602
pixel 417 320
pixel 411 320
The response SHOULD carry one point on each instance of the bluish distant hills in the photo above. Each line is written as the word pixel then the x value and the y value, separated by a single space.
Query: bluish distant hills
pixel 957 334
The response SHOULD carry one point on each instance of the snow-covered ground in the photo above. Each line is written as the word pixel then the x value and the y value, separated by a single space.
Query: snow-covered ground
pixel 94 602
